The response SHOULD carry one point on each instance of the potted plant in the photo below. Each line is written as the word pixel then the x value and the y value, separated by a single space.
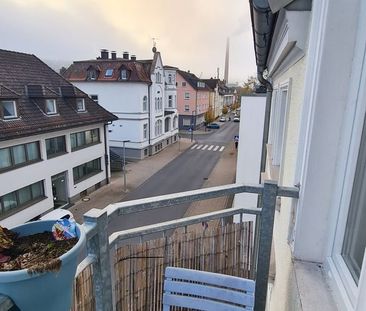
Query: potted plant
pixel 43 289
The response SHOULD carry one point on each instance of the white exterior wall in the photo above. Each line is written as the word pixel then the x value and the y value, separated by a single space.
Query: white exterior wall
pixel 24 176
pixel 249 150
pixel 293 79
pixel 125 100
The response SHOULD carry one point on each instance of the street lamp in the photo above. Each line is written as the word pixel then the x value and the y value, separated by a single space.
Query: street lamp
pixel 193 123
pixel 124 164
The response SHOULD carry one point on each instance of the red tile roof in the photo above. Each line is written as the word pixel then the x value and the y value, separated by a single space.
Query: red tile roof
pixel 17 72
pixel 136 69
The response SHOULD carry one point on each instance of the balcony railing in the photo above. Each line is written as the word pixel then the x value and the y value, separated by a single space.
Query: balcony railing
pixel 99 244
pixel 97 262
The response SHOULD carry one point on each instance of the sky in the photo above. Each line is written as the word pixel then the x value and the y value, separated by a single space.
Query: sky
pixel 190 34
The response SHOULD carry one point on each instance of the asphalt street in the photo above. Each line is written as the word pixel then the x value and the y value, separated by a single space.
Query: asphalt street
pixel 187 172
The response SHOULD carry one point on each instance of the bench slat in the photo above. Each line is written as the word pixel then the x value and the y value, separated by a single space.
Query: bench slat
pixel 211 292
pixel 210 278
pixel 199 304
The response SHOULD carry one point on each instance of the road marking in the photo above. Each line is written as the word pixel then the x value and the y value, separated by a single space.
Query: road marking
pixel 217 147
pixel 199 147
pixel 204 147
pixel 194 146
pixel 222 148
pixel 210 147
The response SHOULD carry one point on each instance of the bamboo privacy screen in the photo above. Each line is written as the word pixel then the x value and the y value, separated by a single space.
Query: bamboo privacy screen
pixel 139 268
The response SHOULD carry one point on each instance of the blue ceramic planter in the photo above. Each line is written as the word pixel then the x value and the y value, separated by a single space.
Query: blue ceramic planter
pixel 50 291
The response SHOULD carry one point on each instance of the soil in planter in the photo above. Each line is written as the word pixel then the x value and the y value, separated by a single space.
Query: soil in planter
pixel 38 253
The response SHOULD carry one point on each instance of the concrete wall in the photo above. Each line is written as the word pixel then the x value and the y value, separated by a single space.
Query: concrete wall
pixel 249 149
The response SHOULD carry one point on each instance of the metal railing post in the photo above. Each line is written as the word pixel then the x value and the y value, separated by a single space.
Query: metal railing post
pixel 98 246
pixel 265 243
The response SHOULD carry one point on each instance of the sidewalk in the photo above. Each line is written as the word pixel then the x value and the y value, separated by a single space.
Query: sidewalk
pixel 139 172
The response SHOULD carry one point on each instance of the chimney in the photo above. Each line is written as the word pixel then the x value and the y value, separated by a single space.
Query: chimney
pixel 125 55
pixel 113 55
pixel 226 74
pixel 133 57
pixel 104 54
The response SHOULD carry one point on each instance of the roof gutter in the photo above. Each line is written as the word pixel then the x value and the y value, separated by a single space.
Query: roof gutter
pixel 263 22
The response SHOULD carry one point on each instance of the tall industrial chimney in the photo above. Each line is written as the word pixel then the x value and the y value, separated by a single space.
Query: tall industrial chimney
pixel 226 75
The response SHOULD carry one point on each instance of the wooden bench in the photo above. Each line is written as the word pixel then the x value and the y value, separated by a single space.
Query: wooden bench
pixel 200 290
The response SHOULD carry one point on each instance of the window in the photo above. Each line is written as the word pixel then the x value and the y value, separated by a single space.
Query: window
pixel 158 127
pixel 95 98
pixel 186 107
pixel 175 122
pixel 19 155
pixel 145 131
pixel 80 104
pixel 187 95
pixel 170 101
pixel 109 72
pixel 83 139
pixel 86 170
pixel 8 109
pixel 144 103
pixel 55 146
pixel 158 77
pixel 167 125
pixel 123 74
pixel 170 79
pixel 354 242
pixel 184 83
pixel 20 198
pixel 200 84
pixel 50 107
pixel 92 74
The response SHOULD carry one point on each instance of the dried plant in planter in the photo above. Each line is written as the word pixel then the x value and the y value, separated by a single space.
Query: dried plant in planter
pixel 37 252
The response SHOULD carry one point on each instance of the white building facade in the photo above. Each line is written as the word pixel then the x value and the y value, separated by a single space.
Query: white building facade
pixel 138 93
pixel 53 146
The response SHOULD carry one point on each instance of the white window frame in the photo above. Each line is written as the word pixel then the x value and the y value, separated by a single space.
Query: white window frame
pixel 82 102
pixel 279 121
pixel 15 115
pixel 144 103
pixel 187 95
pixel 124 74
pixel 170 101
pixel 186 107
pixel 144 130
pixel 53 106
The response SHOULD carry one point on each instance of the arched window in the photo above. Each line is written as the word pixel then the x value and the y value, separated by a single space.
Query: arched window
pixel 158 127
pixel 144 103
pixel 167 125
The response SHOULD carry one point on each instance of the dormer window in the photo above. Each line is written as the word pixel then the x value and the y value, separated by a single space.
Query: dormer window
pixel 158 77
pixel 109 72
pixel 170 78
pixel 80 104
pixel 92 74
pixel 8 109
pixel 123 74
pixel 50 107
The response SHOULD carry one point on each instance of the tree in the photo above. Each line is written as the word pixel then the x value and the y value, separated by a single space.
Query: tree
pixel 209 115
pixel 225 110
pixel 249 86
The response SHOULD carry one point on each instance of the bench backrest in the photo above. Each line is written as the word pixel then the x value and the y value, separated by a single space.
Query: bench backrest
pixel 202 290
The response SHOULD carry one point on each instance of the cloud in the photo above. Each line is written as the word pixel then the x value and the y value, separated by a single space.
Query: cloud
pixel 190 34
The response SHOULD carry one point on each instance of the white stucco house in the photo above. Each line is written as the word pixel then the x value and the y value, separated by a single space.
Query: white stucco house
pixel 139 92
pixel 53 140
pixel 311 57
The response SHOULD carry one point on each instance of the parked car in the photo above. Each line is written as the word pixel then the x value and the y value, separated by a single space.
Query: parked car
pixel 222 119
pixel 236 119
pixel 213 126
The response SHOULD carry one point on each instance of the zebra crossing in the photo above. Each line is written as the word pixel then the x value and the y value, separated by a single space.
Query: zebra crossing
pixel 203 147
